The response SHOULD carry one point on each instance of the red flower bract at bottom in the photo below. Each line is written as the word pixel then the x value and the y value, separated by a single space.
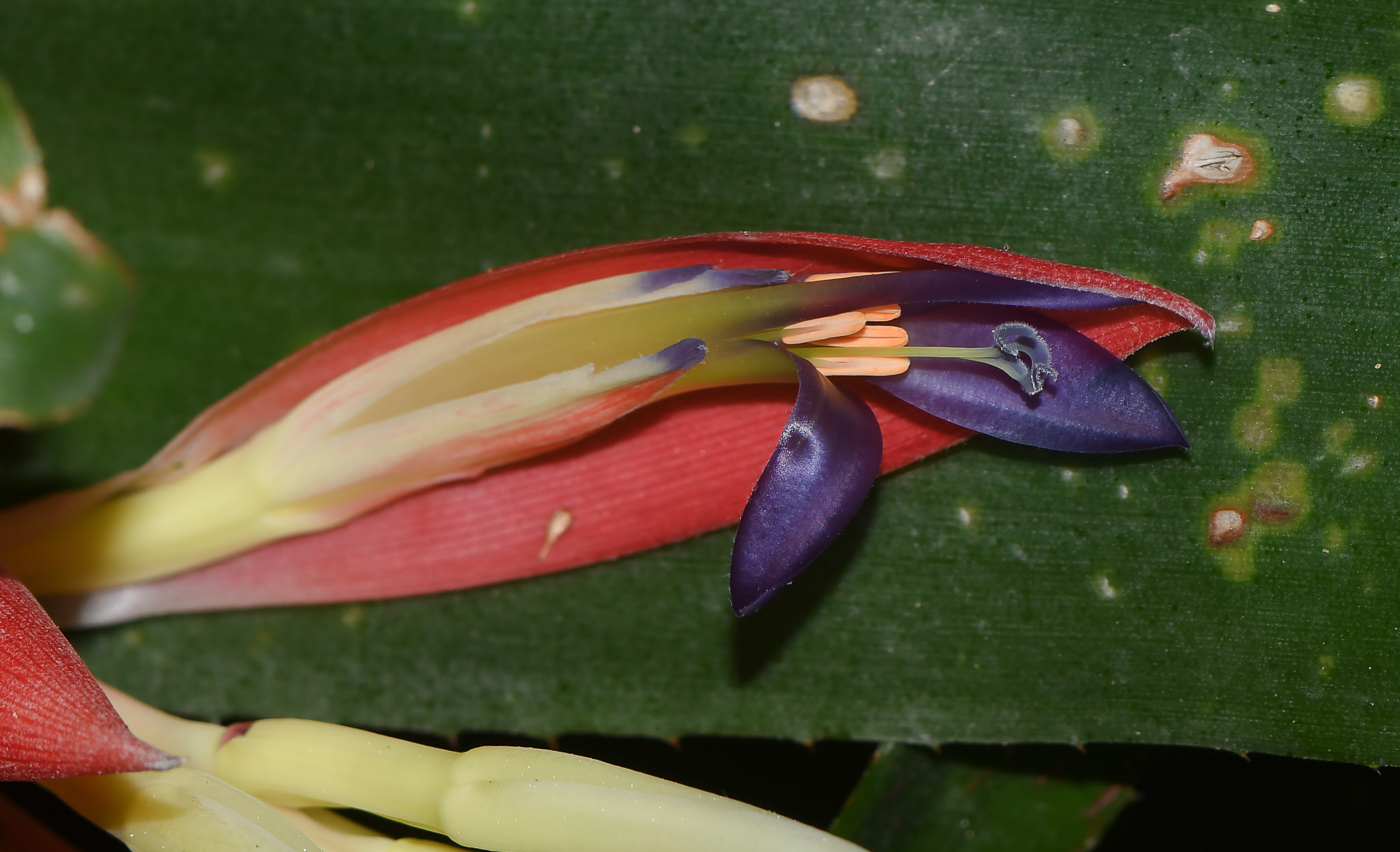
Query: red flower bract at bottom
pixel 55 721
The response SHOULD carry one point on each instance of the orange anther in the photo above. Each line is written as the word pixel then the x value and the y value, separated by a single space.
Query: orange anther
pixel 838 325
pixel 883 313
pixel 861 366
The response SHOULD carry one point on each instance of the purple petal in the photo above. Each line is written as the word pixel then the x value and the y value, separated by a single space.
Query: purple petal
pixel 1095 405
pixel 921 290
pixel 703 278
pixel 815 481
pixel 659 279
pixel 681 355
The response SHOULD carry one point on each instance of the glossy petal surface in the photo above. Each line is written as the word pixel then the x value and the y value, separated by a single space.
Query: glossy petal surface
pixel 923 289
pixel 815 482
pixel 1097 405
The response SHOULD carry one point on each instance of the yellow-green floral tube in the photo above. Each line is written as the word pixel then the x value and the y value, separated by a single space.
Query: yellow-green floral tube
pixel 500 798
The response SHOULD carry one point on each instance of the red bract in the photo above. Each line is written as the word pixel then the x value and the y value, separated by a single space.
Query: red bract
pixel 55 721
pixel 667 472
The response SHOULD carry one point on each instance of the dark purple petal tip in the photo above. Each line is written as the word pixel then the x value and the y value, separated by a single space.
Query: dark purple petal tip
pixel 1094 404
pixel 681 355
pixel 660 279
pixel 817 478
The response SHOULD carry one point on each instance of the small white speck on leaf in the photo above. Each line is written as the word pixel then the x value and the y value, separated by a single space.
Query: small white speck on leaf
pixel 887 164
pixel 1071 134
pixel 1069 131
pixel 215 168
pixel 1358 463
pixel 33 186
pixel 1105 588
pixel 1355 100
pixel 824 98
pixel 1226 526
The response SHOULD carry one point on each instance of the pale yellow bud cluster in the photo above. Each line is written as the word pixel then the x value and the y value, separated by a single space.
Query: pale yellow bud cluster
pixel 265 786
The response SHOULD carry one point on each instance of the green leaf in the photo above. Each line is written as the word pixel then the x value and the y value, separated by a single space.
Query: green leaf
pixel 18 150
pixel 64 298
pixel 64 305
pixel 273 173
pixel 911 800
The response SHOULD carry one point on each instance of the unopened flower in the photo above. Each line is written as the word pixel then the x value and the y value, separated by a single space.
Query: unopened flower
pixel 394 421
pixel 263 785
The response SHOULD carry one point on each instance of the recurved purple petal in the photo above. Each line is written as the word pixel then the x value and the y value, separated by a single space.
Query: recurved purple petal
pixel 815 481
pixel 1097 404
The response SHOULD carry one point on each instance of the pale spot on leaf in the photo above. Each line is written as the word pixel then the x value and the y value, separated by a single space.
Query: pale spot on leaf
pixel 1207 159
pixel 826 99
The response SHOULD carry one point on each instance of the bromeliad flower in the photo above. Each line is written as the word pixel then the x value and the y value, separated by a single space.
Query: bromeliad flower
pixel 437 425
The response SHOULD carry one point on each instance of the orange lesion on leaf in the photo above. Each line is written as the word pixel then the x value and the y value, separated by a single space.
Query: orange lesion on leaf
pixel 1206 158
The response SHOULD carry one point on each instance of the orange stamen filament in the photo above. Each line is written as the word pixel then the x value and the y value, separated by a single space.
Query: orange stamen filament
pixel 872 336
